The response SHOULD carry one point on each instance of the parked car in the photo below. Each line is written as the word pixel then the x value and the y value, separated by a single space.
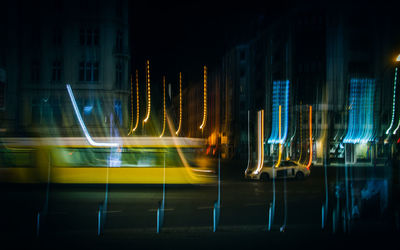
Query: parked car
pixel 287 169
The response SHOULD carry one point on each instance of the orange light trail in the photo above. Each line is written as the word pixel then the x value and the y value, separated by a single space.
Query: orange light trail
pixel 203 124
pixel 310 128
pixel 131 128
pixel 148 92
pixel 278 163
pixel 180 104
pixel 137 101
pixel 163 130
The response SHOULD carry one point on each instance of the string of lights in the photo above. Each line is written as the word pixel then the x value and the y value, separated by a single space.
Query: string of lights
pixel 180 104
pixel 148 92
pixel 163 129
pixel 394 102
pixel 203 124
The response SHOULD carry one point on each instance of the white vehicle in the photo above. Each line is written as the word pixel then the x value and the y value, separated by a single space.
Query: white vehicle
pixel 287 169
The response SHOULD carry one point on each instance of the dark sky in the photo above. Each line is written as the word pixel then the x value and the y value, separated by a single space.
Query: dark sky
pixel 184 37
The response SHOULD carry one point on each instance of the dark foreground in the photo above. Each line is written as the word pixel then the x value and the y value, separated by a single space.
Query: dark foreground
pixel 362 210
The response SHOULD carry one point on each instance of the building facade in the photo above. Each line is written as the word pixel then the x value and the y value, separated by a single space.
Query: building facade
pixel 82 43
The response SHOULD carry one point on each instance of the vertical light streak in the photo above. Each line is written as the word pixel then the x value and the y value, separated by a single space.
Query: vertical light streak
pixel 180 104
pixel 163 129
pixel 301 133
pixel 278 163
pixel 280 95
pixel 131 127
pixel 360 125
pixel 248 141
pixel 203 124
pixel 137 101
pixel 394 101
pixel 310 134
pixel 148 92
pixel 260 141
pixel 83 126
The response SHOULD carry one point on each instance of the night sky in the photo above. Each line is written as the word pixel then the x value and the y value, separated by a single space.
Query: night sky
pixel 184 37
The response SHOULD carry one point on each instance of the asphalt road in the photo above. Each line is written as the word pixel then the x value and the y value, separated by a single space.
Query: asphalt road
pixel 63 214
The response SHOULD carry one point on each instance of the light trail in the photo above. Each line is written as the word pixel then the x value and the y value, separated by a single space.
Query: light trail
pixel 137 101
pixel 310 131
pixel 203 124
pixel 394 102
pixel 83 126
pixel 278 163
pixel 360 125
pixel 260 141
pixel 280 93
pixel 163 129
pixel 131 127
pixel 180 104
pixel 148 92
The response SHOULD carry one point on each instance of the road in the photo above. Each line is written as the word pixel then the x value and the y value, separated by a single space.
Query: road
pixel 48 215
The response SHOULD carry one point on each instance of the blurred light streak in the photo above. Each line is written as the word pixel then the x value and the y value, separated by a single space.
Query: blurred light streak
pixel 163 129
pixel 137 101
pixel 278 163
pixel 311 142
pixel 260 141
pixel 148 92
pixel 360 125
pixel 394 102
pixel 83 126
pixel 398 58
pixel 131 128
pixel 180 104
pixel 248 141
pixel 203 124
pixel 280 97
pixel 301 134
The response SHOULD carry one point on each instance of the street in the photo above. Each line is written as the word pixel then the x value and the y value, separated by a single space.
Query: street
pixel 44 213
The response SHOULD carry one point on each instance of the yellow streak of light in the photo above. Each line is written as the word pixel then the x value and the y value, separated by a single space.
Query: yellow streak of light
pixel 260 136
pixel 180 104
pixel 310 131
pixel 203 124
pixel 148 92
pixel 131 128
pixel 137 100
pixel 163 130
pixel 278 163
pixel 301 134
